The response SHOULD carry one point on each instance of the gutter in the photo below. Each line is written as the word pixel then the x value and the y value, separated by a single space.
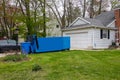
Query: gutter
pixel 76 28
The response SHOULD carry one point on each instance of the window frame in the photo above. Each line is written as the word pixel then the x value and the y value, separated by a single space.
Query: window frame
pixel 104 34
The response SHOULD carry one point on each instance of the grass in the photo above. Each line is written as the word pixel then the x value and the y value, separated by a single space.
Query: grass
pixel 65 65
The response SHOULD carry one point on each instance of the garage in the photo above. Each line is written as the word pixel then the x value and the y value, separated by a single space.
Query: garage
pixel 88 33
pixel 79 40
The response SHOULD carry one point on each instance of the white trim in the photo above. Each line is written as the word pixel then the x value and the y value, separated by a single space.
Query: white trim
pixel 111 23
pixel 76 32
pixel 69 29
pixel 78 19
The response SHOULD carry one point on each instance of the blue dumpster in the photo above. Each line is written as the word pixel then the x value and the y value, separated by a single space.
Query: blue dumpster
pixel 51 44
pixel 47 44
pixel 25 47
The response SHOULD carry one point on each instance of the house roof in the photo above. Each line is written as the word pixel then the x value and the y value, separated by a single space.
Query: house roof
pixel 95 22
pixel 106 17
pixel 100 21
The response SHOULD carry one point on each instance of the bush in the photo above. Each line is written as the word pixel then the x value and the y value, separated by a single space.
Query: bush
pixel 36 67
pixel 113 44
pixel 15 57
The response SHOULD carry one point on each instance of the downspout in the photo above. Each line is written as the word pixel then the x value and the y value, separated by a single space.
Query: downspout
pixel 93 38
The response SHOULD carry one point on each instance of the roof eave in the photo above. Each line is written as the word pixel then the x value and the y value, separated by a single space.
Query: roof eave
pixel 101 27
pixel 69 29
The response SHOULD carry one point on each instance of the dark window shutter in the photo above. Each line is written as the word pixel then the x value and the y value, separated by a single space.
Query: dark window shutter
pixel 108 34
pixel 101 34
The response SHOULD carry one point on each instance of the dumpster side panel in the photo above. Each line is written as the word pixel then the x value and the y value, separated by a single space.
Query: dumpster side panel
pixel 49 44
pixel 66 43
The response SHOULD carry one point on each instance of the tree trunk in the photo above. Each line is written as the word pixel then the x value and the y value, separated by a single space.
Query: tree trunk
pixel 91 9
pixel 4 19
pixel 84 8
pixel 100 6
pixel 44 20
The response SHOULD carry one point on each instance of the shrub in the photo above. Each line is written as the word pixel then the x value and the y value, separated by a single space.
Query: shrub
pixel 36 67
pixel 113 44
pixel 15 57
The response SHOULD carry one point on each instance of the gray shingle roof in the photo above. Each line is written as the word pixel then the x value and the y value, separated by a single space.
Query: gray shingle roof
pixel 101 20
pixel 106 17
pixel 94 22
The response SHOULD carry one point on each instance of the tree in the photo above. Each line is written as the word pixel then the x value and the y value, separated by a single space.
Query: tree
pixel 7 20
pixel 115 4
pixel 67 15
pixel 84 6
pixel 97 6
pixel 32 11
pixel 26 13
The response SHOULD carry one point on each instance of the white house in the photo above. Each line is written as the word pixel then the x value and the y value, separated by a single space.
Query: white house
pixel 96 33
pixel 53 29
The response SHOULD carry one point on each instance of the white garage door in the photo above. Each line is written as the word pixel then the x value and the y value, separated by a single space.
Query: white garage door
pixel 79 40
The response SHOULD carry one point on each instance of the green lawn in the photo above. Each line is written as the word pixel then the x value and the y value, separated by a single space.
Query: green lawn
pixel 66 65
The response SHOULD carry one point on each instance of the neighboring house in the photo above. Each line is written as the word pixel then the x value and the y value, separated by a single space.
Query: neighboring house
pixel 53 29
pixel 97 33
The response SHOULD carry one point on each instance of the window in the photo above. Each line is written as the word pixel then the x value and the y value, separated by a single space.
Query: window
pixel 57 26
pixel 104 34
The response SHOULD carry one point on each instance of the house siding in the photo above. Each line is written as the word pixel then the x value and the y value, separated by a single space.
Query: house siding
pixel 93 40
pixel 102 43
pixel 52 30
